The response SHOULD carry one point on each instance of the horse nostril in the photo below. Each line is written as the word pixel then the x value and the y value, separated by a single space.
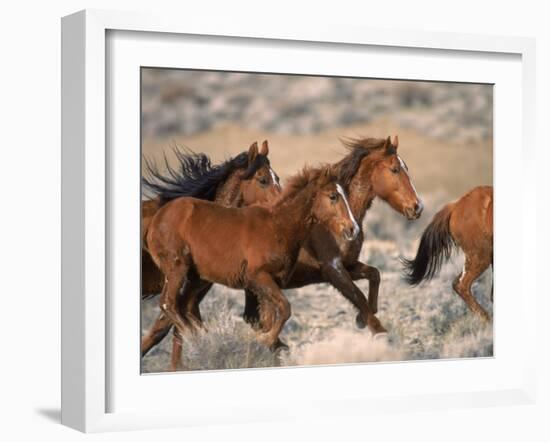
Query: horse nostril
pixel 418 207
pixel 350 233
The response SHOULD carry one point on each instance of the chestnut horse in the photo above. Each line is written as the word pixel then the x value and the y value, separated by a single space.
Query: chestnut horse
pixel 371 169
pixel 195 242
pixel 468 224
pixel 240 181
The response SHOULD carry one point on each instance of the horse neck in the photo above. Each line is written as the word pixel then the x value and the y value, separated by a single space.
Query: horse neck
pixel 229 193
pixel 361 194
pixel 293 215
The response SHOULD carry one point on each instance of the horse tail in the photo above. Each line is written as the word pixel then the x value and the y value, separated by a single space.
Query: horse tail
pixel 436 246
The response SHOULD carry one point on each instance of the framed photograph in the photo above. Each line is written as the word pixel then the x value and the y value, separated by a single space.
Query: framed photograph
pixel 325 216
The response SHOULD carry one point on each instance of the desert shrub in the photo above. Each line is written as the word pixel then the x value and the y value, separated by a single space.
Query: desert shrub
pixel 344 345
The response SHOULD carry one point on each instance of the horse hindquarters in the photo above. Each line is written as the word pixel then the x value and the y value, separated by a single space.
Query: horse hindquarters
pixel 476 243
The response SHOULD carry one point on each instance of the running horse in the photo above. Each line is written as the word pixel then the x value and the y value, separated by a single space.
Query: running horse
pixel 240 181
pixel 466 223
pixel 371 169
pixel 196 243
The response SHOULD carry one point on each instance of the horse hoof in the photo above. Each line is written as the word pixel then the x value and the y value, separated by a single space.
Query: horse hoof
pixel 359 322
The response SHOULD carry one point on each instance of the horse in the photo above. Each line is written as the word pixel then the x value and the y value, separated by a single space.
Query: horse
pixel 371 169
pixel 240 181
pixel 195 242
pixel 468 224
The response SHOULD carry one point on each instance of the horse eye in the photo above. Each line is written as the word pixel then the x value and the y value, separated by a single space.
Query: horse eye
pixel 333 197
pixel 263 181
pixel 395 170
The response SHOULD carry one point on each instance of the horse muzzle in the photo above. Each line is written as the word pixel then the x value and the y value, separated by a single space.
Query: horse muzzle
pixel 351 233
pixel 414 212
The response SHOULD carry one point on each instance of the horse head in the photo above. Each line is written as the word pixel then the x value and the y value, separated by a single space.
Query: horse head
pixel 387 175
pixel 259 182
pixel 331 208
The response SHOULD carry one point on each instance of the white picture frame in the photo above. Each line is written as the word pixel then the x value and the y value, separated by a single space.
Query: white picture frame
pixel 87 203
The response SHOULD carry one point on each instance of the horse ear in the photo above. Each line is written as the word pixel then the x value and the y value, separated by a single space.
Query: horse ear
pixel 326 176
pixel 252 152
pixel 387 145
pixel 265 148
pixel 395 141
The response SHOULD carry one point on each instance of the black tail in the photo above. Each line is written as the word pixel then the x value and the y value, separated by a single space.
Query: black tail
pixel 436 246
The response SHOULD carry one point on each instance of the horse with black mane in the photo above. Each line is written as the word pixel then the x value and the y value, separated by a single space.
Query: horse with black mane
pixel 240 181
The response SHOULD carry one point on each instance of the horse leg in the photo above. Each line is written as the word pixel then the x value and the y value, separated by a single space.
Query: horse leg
pixel 175 356
pixel 156 333
pixel 474 266
pixel 338 276
pixel 251 314
pixel 302 275
pixel 175 278
pixel 188 308
pixel 260 317
pixel 358 270
pixel 271 297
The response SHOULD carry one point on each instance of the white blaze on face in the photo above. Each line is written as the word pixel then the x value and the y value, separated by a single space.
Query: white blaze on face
pixel 402 163
pixel 274 178
pixel 356 229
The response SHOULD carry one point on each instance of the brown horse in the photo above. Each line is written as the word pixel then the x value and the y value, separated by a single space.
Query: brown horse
pixel 468 224
pixel 372 169
pixel 240 181
pixel 256 247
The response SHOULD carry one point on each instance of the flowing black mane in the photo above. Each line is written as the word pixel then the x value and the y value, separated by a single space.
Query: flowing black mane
pixel 358 149
pixel 196 176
